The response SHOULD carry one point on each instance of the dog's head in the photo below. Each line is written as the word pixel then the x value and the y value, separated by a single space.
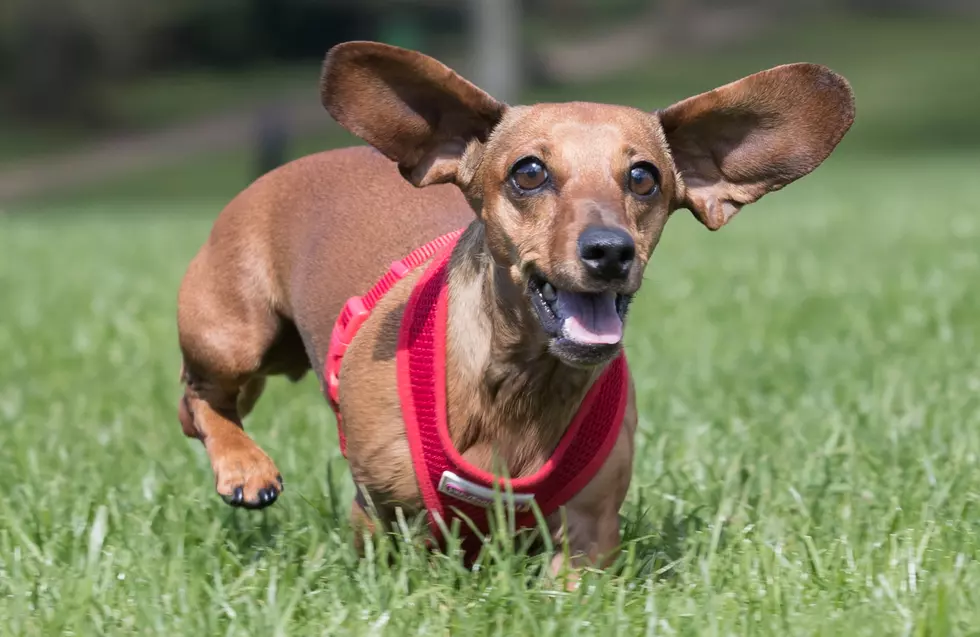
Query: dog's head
pixel 574 196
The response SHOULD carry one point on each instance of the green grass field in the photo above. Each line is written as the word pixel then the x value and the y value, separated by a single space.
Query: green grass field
pixel 808 461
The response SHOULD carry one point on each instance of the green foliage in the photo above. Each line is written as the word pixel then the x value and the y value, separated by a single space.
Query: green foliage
pixel 63 58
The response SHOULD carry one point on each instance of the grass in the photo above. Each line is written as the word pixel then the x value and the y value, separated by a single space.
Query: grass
pixel 807 463
pixel 808 460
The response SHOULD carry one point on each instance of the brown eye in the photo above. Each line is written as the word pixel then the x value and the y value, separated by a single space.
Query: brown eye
pixel 529 174
pixel 644 179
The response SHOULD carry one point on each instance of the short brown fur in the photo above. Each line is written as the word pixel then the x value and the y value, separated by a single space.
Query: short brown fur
pixel 262 295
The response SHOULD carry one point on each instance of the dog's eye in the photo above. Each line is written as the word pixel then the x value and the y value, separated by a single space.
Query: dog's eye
pixel 644 179
pixel 529 174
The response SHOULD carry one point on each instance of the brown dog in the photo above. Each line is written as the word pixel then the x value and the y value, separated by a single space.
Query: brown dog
pixel 569 200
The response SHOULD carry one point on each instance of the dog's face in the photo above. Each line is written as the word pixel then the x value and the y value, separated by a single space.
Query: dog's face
pixel 574 197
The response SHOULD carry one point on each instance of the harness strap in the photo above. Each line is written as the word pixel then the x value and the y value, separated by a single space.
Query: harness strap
pixel 356 311
pixel 452 487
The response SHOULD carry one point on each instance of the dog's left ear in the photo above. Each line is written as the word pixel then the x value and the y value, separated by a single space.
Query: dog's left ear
pixel 734 144
pixel 414 109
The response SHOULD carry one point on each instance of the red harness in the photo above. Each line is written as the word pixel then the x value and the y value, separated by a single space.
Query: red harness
pixel 450 486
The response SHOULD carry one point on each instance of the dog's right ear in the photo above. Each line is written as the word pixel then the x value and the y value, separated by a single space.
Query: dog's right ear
pixel 414 109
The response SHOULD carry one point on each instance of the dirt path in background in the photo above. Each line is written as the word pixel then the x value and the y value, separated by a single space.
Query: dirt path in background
pixel 581 60
pixel 123 155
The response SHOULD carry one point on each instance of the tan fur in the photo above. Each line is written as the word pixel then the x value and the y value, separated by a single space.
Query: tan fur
pixel 262 296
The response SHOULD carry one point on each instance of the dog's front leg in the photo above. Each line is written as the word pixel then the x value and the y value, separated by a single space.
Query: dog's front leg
pixel 584 539
pixel 244 475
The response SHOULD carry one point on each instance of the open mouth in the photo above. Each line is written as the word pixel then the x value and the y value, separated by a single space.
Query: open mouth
pixel 587 319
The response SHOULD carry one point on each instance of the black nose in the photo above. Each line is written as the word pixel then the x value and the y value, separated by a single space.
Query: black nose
pixel 607 253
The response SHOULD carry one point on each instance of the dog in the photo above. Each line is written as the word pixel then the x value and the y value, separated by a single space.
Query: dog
pixel 549 215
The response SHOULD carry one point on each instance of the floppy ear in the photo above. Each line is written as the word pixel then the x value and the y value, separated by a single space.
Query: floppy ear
pixel 414 109
pixel 734 144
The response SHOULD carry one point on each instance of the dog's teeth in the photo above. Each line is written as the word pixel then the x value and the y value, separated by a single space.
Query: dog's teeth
pixel 548 292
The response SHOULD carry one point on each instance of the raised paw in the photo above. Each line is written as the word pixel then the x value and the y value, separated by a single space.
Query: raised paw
pixel 244 475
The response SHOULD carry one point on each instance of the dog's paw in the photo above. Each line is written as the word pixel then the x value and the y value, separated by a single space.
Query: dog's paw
pixel 246 477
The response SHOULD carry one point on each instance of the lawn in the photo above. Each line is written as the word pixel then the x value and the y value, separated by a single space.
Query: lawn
pixel 808 461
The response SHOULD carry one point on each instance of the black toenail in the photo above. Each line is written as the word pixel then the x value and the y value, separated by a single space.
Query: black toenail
pixel 238 496
pixel 279 480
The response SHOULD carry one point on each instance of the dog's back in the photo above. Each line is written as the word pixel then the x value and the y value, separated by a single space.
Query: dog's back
pixel 307 236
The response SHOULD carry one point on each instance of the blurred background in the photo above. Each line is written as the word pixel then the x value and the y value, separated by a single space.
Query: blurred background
pixel 109 100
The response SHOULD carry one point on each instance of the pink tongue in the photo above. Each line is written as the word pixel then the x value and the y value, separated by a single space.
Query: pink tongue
pixel 590 319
